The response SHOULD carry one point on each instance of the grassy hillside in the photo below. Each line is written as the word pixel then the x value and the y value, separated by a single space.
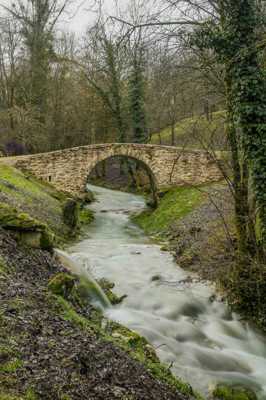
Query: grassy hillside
pixel 34 198
pixel 196 132
pixel 175 204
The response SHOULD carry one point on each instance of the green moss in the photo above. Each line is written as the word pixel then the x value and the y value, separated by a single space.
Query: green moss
pixel 224 392
pixel 62 284
pixel 86 216
pixel 69 314
pixel 175 204
pixel 107 287
pixel 65 397
pixel 11 366
pixel 30 394
pixel 34 197
pixel 6 396
pixel 12 219
pixel 39 200
pixel 3 268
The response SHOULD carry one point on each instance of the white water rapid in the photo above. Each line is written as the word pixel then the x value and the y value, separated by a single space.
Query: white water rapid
pixel 203 341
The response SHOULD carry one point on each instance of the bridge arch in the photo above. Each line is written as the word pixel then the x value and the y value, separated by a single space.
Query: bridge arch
pixel 142 164
pixel 68 169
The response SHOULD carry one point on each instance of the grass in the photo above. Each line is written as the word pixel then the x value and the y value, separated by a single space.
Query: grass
pixel 30 196
pixel 11 366
pixel 175 204
pixel 38 199
pixel 193 131
pixel 231 393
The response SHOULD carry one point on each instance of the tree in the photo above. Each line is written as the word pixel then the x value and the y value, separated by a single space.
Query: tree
pixel 229 28
pixel 37 19
pixel 137 96
pixel 104 70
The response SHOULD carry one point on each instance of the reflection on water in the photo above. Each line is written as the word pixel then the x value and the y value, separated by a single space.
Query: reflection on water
pixel 201 338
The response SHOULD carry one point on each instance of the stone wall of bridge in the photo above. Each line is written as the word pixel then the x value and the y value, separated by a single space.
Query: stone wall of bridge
pixel 167 166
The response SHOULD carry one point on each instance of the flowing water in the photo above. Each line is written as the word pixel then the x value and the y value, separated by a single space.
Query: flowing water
pixel 203 341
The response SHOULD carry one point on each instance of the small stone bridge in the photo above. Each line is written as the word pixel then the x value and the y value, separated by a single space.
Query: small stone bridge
pixel 166 166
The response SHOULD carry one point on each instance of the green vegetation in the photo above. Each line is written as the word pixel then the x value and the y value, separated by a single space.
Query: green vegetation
pixel 136 345
pixel 11 366
pixel 107 288
pixel 85 216
pixel 130 341
pixel 27 194
pixel 223 392
pixel 194 132
pixel 5 396
pixel 30 230
pixel 30 205
pixel 61 284
pixel 175 204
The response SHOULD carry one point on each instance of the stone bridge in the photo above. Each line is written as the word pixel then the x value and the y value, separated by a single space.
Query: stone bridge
pixel 166 166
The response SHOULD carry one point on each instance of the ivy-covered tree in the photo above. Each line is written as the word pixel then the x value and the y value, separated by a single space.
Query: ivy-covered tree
pixel 233 37
pixel 136 99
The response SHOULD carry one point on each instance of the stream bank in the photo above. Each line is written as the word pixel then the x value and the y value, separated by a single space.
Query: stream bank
pixel 54 345
pixel 198 337
pixel 197 226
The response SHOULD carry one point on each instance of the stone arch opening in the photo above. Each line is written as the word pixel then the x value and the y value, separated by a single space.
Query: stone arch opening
pixel 115 169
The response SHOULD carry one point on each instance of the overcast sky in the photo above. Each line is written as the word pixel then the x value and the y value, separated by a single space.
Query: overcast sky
pixel 82 16
pixel 79 15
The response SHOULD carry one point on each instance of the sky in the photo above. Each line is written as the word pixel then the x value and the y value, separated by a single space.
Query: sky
pixel 79 15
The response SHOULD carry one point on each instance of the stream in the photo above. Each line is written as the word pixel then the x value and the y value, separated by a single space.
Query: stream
pixel 200 338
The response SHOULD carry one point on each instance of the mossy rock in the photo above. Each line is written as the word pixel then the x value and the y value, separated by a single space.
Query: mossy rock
pixel 78 290
pixel 85 216
pixel 29 230
pixel 107 287
pixel 106 284
pixel 88 291
pixel 236 392
pixel 10 218
pixel 87 197
pixel 62 284
pixel 71 213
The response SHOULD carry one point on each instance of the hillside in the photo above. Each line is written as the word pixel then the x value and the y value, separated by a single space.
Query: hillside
pixel 196 133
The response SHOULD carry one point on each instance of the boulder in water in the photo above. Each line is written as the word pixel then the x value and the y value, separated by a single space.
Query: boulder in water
pixel 107 288
pixel 233 392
